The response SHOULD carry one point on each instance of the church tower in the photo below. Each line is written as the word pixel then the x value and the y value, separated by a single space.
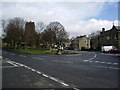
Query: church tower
pixel 30 33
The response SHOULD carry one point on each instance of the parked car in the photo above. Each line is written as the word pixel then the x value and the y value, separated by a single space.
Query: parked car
pixel 107 48
pixel 114 51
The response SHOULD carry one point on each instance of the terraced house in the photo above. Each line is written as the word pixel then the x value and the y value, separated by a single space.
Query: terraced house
pixel 107 38
pixel 81 43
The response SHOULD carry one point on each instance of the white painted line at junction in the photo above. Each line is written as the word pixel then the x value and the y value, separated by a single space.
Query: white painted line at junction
pixel 9 66
pixel 37 58
pixel 45 75
pixel 108 67
pixel 109 63
pixel 63 61
pixel 102 62
pixel 114 68
pixel 91 58
pixel 12 54
pixel 115 63
pixel 97 61
pixel 38 72
pixel 11 63
pixel 102 66
pixel 22 55
pixel 50 77
pixel 85 60
pixel 76 88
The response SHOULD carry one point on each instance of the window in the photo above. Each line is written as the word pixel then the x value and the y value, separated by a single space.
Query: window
pixel 108 37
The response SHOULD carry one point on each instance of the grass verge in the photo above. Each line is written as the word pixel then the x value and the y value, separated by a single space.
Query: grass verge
pixel 29 51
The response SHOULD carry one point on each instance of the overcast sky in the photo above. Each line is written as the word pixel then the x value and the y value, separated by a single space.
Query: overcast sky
pixel 78 18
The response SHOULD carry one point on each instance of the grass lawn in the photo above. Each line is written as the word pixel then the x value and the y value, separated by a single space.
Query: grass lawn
pixel 42 51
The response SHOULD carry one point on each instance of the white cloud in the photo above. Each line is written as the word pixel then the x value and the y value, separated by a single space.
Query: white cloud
pixel 59 0
pixel 72 14
pixel 93 25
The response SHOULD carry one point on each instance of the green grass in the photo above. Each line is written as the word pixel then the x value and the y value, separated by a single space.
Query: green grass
pixel 29 51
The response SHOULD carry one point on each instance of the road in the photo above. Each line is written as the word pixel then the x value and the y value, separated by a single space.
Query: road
pixel 82 70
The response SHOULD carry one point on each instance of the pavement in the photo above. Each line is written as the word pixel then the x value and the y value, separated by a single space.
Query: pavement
pixel 80 71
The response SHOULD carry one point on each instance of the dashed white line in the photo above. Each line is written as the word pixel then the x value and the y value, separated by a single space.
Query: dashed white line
pixel 108 67
pixel 38 72
pixel 11 63
pixel 109 63
pixel 9 66
pixel 97 61
pixel 50 77
pixel 22 56
pixel 37 58
pixel 33 70
pixel 45 75
pixel 63 62
pixel 114 68
pixel 115 63
pixel 102 62
pixel 64 84
pixel 12 54
pixel 91 61
pixel 85 60
pixel 102 66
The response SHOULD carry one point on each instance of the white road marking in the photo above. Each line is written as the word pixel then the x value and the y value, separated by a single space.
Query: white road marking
pixel 91 58
pixel 33 70
pixel 22 55
pixel 11 63
pixel 102 66
pixel 85 60
pixel 113 68
pixel 38 72
pixel 12 54
pixel 45 75
pixel 37 58
pixel 97 61
pixel 63 61
pixel 102 62
pixel 109 63
pixel 9 66
pixel 50 77
pixel 108 67
pixel 115 63
pixel 64 84
pixel 76 88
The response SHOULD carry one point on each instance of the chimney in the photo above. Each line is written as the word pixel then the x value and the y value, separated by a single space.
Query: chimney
pixel 103 29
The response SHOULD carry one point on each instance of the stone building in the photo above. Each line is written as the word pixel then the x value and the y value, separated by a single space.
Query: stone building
pixel 80 43
pixel 107 38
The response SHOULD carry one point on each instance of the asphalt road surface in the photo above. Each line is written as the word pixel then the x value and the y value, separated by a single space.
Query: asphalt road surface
pixel 82 70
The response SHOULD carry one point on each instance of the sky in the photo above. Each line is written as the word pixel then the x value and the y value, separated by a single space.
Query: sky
pixel 78 18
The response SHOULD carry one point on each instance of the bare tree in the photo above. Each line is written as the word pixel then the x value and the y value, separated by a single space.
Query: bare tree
pixel 94 34
pixel 40 26
pixel 55 33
